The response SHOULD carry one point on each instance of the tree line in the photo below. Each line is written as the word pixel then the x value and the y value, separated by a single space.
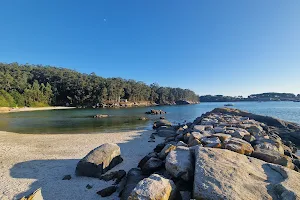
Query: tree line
pixel 38 85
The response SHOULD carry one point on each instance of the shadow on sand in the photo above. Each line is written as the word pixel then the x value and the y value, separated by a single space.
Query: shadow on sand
pixel 48 174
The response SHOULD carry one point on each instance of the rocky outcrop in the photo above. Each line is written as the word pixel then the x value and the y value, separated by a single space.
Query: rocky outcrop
pixel 160 123
pixel 99 160
pixel 154 187
pixel 156 112
pixel 236 176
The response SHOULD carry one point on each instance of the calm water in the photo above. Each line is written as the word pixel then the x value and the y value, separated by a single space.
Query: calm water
pixel 81 121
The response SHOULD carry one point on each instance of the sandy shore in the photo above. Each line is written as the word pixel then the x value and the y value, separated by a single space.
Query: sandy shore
pixel 7 109
pixel 28 162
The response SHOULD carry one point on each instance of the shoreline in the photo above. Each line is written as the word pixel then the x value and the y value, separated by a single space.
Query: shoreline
pixel 31 161
pixel 26 109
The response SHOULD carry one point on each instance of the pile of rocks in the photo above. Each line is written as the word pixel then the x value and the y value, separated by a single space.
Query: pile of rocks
pixel 224 154
pixel 221 155
pixel 156 112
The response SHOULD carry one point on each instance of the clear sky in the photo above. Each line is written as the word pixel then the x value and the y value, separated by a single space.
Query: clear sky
pixel 212 47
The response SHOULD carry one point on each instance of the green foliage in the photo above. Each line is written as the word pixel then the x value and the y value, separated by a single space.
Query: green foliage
pixel 43 85
pixel 6 100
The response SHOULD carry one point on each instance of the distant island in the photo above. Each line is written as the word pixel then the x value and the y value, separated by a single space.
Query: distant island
pixel 40 86
pixel 271 96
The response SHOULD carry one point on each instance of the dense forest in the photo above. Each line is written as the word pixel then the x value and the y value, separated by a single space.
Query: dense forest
pixel 37 85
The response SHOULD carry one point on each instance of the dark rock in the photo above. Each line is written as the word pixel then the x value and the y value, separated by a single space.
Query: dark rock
pixel 156 112
pixel 146 158
pixel 166 133
pixel 67 177
pixel 100 116
pixel 152 136
pixel 162 118
pixel 99 160
pixel 107 191
pixel 133 177
pixel 159 147
pixel 88 186
pixel 152 165
pixel 118 175
pixel 160 123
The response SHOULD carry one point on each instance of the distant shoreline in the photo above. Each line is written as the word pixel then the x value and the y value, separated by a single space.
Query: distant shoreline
pixel 25 109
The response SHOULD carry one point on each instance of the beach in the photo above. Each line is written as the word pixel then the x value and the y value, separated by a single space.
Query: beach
pixel 32 161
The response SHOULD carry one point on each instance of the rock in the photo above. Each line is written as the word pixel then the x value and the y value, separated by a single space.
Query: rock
pixel 156 112
pixel 211 141
pixel 249 138
pixel 240 177
pixel 197 135
pixel 114 175
pixel 180 143
pixel 88 186
pixel 179 163
pixel 152 136
pixel 155 187
pixel 164 152
pixel 240 133
pixel 239 146
pixel 194 142
pixel 152 165
pixel 186 137
pixel 268 144
pixel 99 160
pixel 67 177
pixel 219 130
pixel 100 116
pixel 255 129
pixel 160 123
pixel 273 157
pixel 159 147
pixel 134 176
pixel 222 136
pixel 37 195
pixel 166 133
pixel 146 158
pixel 107 191
pixel 185 195
pixel 162 118
pixel 143 118
pixel 199 128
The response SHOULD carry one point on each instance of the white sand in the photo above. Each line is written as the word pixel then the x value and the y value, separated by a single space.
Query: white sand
pixel 29 161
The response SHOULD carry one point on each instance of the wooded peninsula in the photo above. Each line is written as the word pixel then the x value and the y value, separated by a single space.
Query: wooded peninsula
pixel 37 86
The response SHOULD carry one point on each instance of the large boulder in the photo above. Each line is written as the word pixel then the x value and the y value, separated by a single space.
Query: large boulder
pixel 99 160
pixel 179 163
pixel 134 176
pixel 153 188
pixel 239 146
pixel 237 176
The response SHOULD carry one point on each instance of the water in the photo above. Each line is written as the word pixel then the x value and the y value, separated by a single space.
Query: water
pixel 81 121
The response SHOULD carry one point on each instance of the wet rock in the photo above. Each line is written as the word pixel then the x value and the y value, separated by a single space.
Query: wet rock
pixel 160 123
pixel 67 177
pixel 179 163
pixel 107 191
pixel 100 116
pixel 156 112
pixel 99 160
pixel 239 146
pixel 154 187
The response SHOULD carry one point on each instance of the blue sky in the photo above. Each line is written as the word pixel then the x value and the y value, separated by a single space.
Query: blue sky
pixel 212 47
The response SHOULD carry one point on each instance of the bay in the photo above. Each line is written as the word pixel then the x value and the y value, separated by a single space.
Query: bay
pixel 81 120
